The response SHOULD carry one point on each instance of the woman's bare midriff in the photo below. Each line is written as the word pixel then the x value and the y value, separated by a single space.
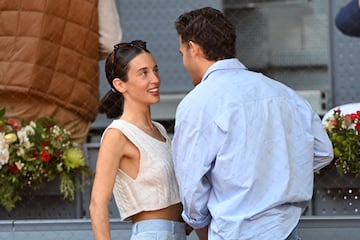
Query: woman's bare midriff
pixel 172 213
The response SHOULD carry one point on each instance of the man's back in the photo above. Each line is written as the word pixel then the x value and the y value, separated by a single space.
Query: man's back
pixel 254 143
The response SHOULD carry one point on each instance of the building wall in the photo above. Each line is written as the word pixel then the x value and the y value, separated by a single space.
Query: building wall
pixel 287 40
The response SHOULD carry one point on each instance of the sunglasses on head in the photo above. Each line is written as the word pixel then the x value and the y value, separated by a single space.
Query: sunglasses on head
pixel 136 43
pixel 140 44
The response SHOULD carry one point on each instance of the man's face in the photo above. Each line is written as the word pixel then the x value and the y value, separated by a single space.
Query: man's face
pixel 189 62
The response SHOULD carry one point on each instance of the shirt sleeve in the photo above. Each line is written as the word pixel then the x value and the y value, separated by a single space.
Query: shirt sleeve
pixel 323 149
pixel 110 32
pixel 192 162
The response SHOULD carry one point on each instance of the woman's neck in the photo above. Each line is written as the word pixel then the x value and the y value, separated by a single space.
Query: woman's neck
pixel 141 119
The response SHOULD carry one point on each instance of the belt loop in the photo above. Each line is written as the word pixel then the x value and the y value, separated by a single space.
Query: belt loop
pixel 173 227
pixel 135 228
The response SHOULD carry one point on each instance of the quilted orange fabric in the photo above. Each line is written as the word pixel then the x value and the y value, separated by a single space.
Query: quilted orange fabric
pixel 49 52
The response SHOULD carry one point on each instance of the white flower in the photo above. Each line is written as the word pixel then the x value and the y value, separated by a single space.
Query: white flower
pixel 23 135
pixel 19 165
pixel 56 130
pixel 4 151
pixel 20 152
pixel 29 129
pixel 32 124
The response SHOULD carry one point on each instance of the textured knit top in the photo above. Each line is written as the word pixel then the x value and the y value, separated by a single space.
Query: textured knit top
pixel 155 186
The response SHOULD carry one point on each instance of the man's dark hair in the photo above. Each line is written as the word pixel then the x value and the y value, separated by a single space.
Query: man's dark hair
pixel 209 28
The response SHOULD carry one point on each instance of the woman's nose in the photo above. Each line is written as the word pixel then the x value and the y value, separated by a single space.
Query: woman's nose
pixel 156 77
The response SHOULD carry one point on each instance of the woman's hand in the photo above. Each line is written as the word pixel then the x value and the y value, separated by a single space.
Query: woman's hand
pixel 188 228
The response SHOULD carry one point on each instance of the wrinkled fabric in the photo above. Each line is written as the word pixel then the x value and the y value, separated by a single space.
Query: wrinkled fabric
pixel 244 150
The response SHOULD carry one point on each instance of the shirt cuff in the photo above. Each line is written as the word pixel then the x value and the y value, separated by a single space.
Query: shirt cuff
pixel 196 223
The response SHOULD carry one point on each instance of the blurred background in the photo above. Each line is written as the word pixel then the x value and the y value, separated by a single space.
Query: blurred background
pixel 293 41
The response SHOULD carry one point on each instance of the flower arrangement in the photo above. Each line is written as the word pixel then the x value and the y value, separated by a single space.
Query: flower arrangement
pixel 344 132
pixel 34 153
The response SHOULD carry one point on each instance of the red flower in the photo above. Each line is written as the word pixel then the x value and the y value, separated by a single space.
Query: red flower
pixel 16 124
pixel 13 168
pixel 337 111
pixel 353 116
pixel 358 127
pixel 34 154
pixel 333 123
pixel 44 143
pixel 45 156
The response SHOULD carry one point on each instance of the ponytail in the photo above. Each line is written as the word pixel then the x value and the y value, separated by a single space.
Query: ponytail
pixel 112 104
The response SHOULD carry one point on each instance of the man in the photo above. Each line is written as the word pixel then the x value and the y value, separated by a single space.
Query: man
pixel 245 146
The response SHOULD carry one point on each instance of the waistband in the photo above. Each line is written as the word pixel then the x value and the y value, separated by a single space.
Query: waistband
pixel 158 225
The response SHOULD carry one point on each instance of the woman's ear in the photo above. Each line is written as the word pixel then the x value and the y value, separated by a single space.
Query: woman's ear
pixel 119 85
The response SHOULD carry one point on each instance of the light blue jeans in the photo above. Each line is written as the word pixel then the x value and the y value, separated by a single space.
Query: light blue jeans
pixel 158 230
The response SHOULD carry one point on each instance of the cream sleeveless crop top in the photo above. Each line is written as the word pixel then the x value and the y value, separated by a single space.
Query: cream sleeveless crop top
pixel 155 186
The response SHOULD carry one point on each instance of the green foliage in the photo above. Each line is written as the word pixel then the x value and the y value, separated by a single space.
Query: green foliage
pixel 343 131
pixel 35 153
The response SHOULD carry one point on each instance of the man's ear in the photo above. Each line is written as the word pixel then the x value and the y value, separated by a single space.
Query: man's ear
pixel 119 85
pixel 194 48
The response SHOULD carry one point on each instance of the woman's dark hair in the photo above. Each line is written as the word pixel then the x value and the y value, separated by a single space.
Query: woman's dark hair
pixel 209 28
pixel 117 66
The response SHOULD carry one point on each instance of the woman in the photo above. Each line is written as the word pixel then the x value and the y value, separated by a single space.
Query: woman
pixel 134 161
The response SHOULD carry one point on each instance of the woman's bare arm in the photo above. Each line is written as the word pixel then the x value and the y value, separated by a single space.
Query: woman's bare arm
pixel 110 153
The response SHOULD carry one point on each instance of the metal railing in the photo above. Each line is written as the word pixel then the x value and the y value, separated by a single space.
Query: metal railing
pixel 310 228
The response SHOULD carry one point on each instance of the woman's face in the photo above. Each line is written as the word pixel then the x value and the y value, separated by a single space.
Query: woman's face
pixel 143 83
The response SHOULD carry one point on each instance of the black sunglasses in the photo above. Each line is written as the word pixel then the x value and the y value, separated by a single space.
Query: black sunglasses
pixel 140 44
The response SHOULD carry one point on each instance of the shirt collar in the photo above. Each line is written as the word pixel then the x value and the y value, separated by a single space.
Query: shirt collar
pixel 231 63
